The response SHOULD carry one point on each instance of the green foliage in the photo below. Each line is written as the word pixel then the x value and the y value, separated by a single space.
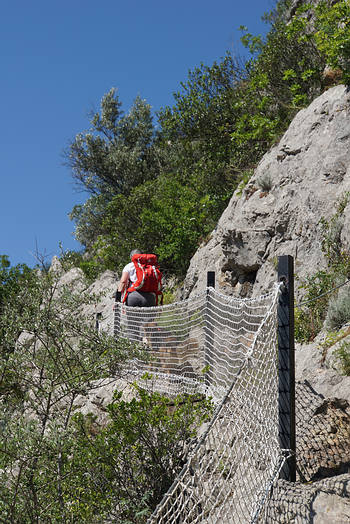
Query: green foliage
pixel 89 217
pixel 254 43
pixel 50 354
pixel 168 297
pixel 338 312
pixel 246 175
pixel 170 221
pixel 115 155
pixel 332 35
pixel 14 281
pixel 116 152
pixel 165 190
pixel 197 130
pixel 342 353
pixel 126 467
pixel 11 278
pixel 338 259
pixel 286 75
pixel 81 472
pixel 310 319
pixel 325 28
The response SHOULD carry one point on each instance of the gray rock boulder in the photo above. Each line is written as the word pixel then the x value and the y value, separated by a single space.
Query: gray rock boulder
pixel 321 370
pixel 297 182
pixel 105 287
pixel 324 502
pixel 279 212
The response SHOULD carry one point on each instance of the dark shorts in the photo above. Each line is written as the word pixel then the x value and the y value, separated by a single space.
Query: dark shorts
pixel 140 299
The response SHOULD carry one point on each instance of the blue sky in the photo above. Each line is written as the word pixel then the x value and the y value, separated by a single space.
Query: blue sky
pixel 58 59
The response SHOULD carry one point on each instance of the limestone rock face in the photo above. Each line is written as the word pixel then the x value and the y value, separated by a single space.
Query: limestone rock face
pixel 322 434
pixel 317 367
pixel 279 212
pixel 324 502
pixel 106 285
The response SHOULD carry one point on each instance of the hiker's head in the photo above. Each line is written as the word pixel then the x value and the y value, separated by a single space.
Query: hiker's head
pixel 135 252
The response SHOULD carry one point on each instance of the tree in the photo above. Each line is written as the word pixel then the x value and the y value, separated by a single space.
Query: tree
pixel 199 126
pixel 127 467
pixel 51 353
pixel 117 154
pixel 57 465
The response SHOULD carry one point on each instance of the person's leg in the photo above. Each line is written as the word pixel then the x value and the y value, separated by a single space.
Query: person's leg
pixel 139 299
pixel 149 328
pixel 134 300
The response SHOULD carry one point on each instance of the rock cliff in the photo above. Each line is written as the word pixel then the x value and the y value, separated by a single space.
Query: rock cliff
pixel 278 212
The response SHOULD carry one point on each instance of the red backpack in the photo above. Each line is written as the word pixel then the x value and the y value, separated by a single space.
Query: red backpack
pixel 148 276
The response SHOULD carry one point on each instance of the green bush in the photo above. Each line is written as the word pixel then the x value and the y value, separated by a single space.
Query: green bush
pixel 342 353
pixel 310 317
pixel 338 312
pixel 320 287
pixel 326 31
pixel 123 470
pixel 50 354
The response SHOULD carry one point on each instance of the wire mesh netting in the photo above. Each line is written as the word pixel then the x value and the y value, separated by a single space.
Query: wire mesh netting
pixel 226 349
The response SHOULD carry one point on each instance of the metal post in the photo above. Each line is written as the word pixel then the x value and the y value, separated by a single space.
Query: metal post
pixel 117 318
pixel 286 365
pixel 211 279
pixel 208 342
pixel 97 322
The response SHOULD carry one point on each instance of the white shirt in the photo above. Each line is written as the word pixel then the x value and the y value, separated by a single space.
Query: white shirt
pixel 130 268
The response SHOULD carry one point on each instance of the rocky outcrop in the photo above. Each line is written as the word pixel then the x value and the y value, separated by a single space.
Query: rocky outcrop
pixel 324 502
pixel 322 434
pixel 279 212
pixel 318 367
pixel 105 287
pixel 299 181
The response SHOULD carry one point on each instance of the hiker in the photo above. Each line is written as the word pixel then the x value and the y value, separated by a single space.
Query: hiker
pixel 139 286
pixel 141 281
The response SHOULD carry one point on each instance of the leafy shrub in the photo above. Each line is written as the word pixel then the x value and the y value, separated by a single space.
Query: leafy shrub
pixel 50 354
pixel 265 182
pixel 168 297
pixel 123 470
pixel 326 31
pixel 310 317
pixel 342 353
pixel 338 312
